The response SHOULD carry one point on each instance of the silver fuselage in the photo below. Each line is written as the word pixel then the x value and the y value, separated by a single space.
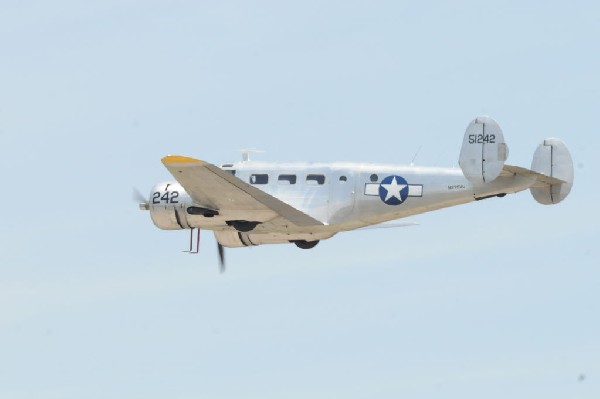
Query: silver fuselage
pixel 343 196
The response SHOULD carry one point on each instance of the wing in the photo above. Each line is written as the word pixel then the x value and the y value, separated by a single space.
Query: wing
pixel 214 188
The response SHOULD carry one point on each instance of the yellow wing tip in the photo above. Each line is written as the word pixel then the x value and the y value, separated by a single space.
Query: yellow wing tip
pixel 180 159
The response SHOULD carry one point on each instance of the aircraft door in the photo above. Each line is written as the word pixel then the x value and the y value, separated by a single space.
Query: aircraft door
pixel 341 196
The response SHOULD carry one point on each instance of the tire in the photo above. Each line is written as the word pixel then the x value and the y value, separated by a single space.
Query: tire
pixel 303 244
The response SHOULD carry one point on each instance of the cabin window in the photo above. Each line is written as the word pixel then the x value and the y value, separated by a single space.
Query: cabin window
pixel 232 171
pixel 287 179
pixel 315 179
pixel 259 179
pixel 374 177
pixel 343 178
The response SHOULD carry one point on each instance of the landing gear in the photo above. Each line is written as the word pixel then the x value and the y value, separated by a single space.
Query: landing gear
pixel 195 251
pixel 303 244
pixel 192 251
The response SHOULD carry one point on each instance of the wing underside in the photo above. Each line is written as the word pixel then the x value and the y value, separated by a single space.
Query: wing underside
pixel 216 189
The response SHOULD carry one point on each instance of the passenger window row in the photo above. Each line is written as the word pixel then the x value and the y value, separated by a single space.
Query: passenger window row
pixel 263 178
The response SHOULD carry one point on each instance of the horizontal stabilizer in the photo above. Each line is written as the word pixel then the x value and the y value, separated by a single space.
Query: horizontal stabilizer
pixel 483 151
pixel 542 178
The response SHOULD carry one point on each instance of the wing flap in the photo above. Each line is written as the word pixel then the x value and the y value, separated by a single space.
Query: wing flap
pixel 214 187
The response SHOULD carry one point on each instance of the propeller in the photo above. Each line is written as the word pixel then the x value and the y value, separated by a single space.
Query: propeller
pixel 140 199
pixel 221 257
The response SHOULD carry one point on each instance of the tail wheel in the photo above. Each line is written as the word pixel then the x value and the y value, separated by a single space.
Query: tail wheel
pixel 303 244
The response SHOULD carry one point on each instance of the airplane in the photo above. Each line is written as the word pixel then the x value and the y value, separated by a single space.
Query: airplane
pixel 252 203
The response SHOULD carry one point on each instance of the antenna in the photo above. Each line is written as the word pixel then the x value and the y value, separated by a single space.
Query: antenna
pixel 246 153
pixel 412 162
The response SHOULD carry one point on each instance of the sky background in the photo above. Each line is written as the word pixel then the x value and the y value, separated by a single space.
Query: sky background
pixel 495 299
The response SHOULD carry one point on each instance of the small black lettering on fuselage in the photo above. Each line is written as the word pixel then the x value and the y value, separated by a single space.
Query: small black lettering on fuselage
pixel 456 187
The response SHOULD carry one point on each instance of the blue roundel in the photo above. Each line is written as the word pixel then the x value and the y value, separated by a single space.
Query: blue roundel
pixel 393 190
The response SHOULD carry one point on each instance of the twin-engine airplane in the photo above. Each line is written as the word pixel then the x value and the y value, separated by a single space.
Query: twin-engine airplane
pixel 252 203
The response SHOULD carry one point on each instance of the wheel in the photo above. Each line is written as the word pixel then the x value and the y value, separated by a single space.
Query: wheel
pixel 303 244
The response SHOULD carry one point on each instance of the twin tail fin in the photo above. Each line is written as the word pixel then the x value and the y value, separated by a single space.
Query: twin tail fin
pixel 484 152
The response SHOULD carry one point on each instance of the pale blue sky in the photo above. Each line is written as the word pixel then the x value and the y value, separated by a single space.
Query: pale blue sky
pixel 494 299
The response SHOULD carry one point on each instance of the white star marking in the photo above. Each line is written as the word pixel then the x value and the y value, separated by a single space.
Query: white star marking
pixel 393 189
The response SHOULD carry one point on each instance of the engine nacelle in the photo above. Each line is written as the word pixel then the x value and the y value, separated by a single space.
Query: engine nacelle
pixel 235 239
pixel 167 204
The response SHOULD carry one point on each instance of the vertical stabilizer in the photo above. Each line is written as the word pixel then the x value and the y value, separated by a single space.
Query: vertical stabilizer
pixel 483 151
pixel 552 158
